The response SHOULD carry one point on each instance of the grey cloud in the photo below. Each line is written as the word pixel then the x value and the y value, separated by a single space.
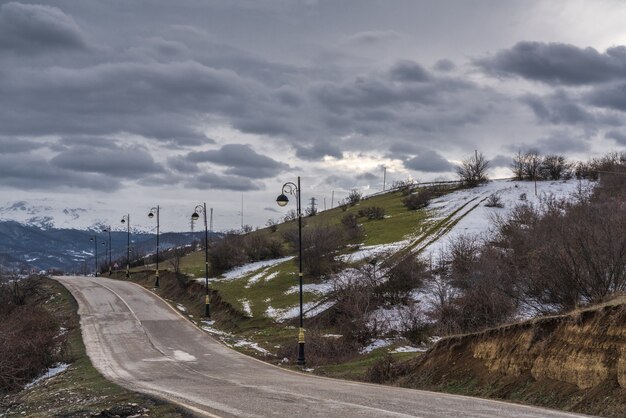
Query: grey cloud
pixel 373 92
pixel 33 173
pixel 617 136
pixel 181 164
pixel 429 161
pixel 10 145
pixel 115 161
pixel 208 181
pixel 556 63
pixel 409 71
pixel 558 142
pixel 163 101
pixel 501 161
pixel 609 96
pixel 444 65
pixel 317 151
pixel 367 176
pixel 30 28
pixel 558 108
pixel 371 37
pixel 241 160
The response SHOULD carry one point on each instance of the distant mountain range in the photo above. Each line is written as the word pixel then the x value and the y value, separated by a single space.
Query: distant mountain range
pixel 45 234
pixel 28 247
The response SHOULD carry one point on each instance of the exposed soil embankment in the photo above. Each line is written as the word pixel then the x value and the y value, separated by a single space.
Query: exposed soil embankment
pixel 575 362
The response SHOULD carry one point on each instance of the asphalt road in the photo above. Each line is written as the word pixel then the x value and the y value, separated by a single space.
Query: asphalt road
pixel 138 341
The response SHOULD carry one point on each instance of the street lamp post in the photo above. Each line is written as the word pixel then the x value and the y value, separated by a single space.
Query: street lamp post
pixel 109 246
pixel 282 200
pixel 195 216
pixel 151 214
pixel 95 246
pixel 126 220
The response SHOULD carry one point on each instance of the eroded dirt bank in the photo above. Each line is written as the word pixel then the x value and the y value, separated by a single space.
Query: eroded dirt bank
pixel 575 362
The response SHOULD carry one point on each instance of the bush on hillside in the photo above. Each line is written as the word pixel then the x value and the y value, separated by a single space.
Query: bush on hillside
pixel 372 212
pixel 320 244
pixel 354 197
pixel 418 200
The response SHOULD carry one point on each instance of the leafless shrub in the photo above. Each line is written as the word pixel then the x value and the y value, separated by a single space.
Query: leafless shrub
pixel 372 212
pixel 494 201
pixel 383 370
pixel 353 291
pixel 400 279
pixel 272 225
pixel 321 350
pixel 260 246
pixel 418 200
pixel 320 244
pixel 354 197
pixel 227 253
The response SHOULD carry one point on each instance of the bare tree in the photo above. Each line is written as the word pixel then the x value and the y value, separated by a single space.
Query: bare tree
pixel 554 167
pixel 473 170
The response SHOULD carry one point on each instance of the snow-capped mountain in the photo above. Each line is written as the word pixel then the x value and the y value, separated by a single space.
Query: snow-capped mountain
pixel 48 214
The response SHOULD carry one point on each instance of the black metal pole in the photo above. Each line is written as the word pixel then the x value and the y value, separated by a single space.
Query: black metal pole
pixel 300 361
pixel 110 264
pixel 95 241
pixel 128 247
pixel 151 214
pixel 207 307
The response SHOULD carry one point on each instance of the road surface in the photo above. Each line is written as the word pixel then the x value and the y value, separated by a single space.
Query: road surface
pixel 137 340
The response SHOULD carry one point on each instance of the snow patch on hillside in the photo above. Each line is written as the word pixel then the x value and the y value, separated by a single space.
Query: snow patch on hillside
pixel 479 220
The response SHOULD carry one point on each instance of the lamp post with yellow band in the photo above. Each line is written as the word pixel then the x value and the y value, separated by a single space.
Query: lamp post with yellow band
pixel 195 216
pixel 156 211
pixel 126 220
pixel 282 200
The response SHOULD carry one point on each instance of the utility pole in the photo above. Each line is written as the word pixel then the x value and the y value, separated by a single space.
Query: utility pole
pixel 211 222
pixel 384 177
pixel 332 199
pixel 313 212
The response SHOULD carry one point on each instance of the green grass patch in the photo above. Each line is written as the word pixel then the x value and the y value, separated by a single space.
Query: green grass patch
pixel 357 369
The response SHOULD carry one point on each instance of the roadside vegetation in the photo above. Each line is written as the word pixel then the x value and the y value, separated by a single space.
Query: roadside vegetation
pixel 40 336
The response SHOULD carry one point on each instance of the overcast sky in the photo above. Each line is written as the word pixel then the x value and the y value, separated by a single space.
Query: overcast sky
pixel 138 103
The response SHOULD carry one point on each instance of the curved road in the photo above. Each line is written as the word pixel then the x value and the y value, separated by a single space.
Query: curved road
pixel 137 340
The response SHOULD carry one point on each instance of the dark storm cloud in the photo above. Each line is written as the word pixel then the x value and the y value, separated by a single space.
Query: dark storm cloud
pixel 557 63
pixel 208 181
pixel 30 28
pixel 409 71
pixel 33 173
pixel 558 108
pixel 317 151
pixel 241 160
pixel 115 161
pixel 430 162
pixel 617 136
